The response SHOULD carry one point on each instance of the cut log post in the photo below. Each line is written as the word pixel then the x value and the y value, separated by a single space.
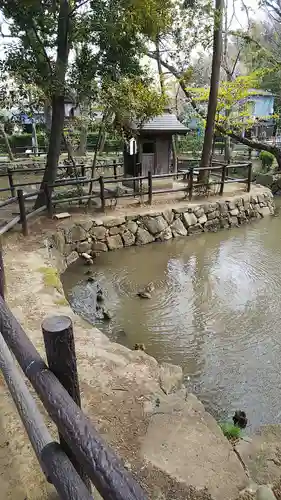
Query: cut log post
pixel 60 350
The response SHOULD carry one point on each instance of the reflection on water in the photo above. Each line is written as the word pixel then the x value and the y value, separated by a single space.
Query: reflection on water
pixel 216 311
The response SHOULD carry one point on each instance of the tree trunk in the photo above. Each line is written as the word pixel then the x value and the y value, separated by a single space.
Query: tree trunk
pixel 214 88
pixel 48 116
pixel 7 143
pixel 64 29
pixel 50 173
pixel 102 141
pixel 34 139
pixel 82 148
pixel 93 169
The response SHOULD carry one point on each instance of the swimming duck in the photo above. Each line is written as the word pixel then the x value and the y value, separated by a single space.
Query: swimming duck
pixel 106 314
pixel 146 292
pixel 139 347
pixel 240 419
pixel 100 296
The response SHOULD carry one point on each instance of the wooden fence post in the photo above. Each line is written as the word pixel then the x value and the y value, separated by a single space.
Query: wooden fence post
pixel 48 197
pixel 23 220
pixel 223 174
pixel 2 273
pixel 11 182
pixel 60 351
pixel 149 176
pixel 190 184
pixel 102 197
pixel 249 177
pixel 115 169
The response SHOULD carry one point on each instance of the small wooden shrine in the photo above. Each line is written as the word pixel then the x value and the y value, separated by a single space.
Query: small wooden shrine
pixel 153 148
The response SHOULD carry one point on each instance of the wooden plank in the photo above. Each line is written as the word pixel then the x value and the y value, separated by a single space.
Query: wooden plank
pixel 62 215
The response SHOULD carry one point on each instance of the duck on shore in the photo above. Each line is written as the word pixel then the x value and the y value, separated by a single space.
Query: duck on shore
pixel 146 292
pixel 240 419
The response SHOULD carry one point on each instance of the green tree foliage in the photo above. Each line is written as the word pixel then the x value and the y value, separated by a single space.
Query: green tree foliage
pixel 107 37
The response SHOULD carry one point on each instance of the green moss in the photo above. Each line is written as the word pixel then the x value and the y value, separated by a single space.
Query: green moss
pixel 61 302
pixel 230 430
pixel 50 277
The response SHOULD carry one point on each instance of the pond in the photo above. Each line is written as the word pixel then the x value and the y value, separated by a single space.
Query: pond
pixel 215 310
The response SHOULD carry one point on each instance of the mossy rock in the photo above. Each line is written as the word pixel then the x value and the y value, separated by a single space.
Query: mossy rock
pixel 51 278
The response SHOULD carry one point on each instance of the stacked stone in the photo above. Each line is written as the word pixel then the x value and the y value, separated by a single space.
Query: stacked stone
pixel 111 233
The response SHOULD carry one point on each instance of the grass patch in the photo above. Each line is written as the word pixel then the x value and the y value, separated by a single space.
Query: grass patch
pixel 230 430
pixel 50 277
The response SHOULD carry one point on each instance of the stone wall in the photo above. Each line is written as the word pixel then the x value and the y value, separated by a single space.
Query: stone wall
pixel 270 180
pixel 110 233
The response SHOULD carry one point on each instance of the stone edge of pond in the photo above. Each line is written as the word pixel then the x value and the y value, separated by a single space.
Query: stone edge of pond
pixel 105 233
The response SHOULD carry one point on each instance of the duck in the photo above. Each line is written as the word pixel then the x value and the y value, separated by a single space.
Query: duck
pixel 100 297
pixel 240 419
pixel 146 292
pixel 91 279
pixel 139 347
pixel 106 314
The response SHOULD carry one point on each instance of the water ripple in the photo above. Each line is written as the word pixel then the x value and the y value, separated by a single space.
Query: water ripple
pixel 215 311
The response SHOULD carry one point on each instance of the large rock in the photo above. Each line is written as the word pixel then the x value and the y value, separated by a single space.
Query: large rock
pixel 212 225
pixel 264 211
pixel 71 258
pixel 75 233
pixel 83 246
pixel 170 377
pixel 262 454
pixel 196 229
pixel 185 441
pixel 114 242
pixel 143 237
pixel 202 219
pixel 199 212
pixel 265 179
pixel 99 232
pixel 132 226
pixel 128 238
pixel 155 225
pixel 168 215
pixel 59 241
pixel 189 219
pixel 99 246
pixel 178 228
pixel 165 235
pixel 116 221
pixel 265 493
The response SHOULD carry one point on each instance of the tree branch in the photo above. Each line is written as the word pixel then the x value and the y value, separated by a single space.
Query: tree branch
pixel 83 2
pixel 260 146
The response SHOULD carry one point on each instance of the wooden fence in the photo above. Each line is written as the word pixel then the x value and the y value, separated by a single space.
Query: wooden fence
pixel 81 456
pixel 108 188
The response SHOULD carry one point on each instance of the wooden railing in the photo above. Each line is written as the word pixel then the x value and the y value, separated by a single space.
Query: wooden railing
pixel 106 188
pixel 81 456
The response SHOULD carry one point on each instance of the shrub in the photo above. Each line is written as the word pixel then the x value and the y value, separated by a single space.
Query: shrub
pixel 230 430
pixel 267 160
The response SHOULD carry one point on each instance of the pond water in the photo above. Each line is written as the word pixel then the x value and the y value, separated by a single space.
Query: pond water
pixel 216 311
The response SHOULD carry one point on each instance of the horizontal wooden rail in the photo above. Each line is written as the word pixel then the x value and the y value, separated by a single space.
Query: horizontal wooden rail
pixel 101 464
pixel 111 179
pixel 54 462
pixel 8 201
pixel 9 225
pixel 36 212
pixel 57 201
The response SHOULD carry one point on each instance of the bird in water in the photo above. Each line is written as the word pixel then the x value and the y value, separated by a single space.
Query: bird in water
pixel 139 347
pixel 146 292
pixel 240 419
pixel 100 296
